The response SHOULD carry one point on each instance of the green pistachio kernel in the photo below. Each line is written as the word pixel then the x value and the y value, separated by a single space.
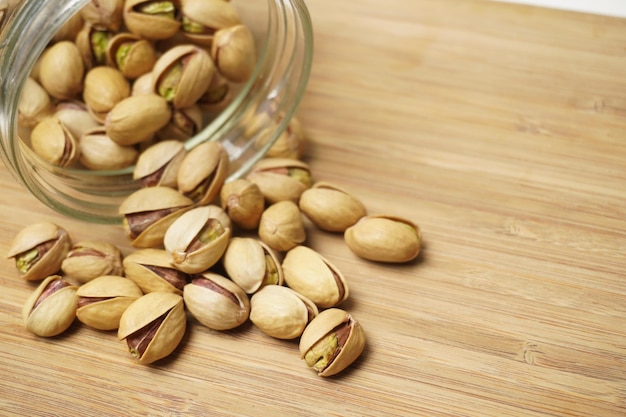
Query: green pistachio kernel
pixel 271 271
pixel 25 261
pixel 191 26
pixel 122 53
pixel 300 174
pixel 169 82
pixel 99 43
pixel 322 352
pixel 159 8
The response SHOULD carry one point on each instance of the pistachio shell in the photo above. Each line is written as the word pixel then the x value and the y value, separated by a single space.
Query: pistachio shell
pixel 75 117
pixel 343 350
pixel 28 244
pixel 143 312
pixel 198 238
pixel 281 312
pixel 92 43
pixel 184 124
pixel 330 207
pixel 261 267
pixel 99 152
pixel 159 164
pixel 202 18
pixel 202 172
pixel 281 226
pixel 54 142
pixel 233 52
pixel 50 311
pixel 384 238
pixel 91 259
pixel 103 300
pixel 61 70
pixel 137 118
pixel 290 144
pixel 131 55
pixel 69 30
pixel 142 85
pixel 104 13
pixel 312 275
pixel 149 25
pixel 152 271
pixel 281 179
pixel 216 302
pixel 104 88
pixel 35 104
pixel 243 201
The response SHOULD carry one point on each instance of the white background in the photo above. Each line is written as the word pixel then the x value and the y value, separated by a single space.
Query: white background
pixel 605 7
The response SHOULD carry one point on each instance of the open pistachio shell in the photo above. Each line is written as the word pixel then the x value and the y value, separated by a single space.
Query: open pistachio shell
pixel 184 124
pixel 330 207
pixel 384 238
pixel 152 20
pixel 54 142
pixel 103 300
pixel 152 271
pixel 92 43
pixel 331 342
pixel 281 179
pixel 261 267
pixel 91 259
pixel 312 275
pixel 153 326
pixel 202 172
pixel 202 18
pixel 131 55
pixel 159 164
pixel 75 116
pixel 51 308
pixel 39 250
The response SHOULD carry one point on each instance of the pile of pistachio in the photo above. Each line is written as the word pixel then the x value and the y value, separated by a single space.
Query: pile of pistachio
pixel 123 74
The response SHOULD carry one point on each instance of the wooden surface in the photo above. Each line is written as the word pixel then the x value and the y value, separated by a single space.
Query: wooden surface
pixel 500 130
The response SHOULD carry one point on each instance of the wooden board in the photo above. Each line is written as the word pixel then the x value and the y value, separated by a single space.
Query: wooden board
pixel 499 129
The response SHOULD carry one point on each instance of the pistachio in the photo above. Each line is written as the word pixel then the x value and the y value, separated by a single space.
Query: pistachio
pixel 103 300
pixel 330 207
pixel 152 271
pixel 198 238
pixel 99 152
pixel 243 201
pixel 39 250
pixel 216 302
pixel 182 75
pixel 159 164
pixel 54 143
pixel 137 118
pixel 51 308
pixel 384 238
pixel 202 18
pixel 148 212
pixel 290 144
pixel 202 172
pixel 70 29
pixel 142 85
pixel 281 312
pixel 184 124
pixel 153 326
pixel 261 267
pixel 151 19
pixel 131 54
pixel 281 178
pixel 233 52
pixel 75 117
pixel 281 226
pixel 312 275
pixel 92 43
pixel 331 342
pixel 61 70
pixel 35 104
pixel 90 259
pixel 104 88
pixel 104 13
pixel 217 96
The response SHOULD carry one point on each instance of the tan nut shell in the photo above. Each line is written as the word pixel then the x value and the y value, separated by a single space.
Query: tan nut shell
pixel 54 142
pixel 384 238
pixel 53 315
pixel 151 27
pixel 107 260
pixel 214 310
pixel 184 230
pixel 245 263
pixel 243 201
pixel 213 14
pixel 276 186
pixel 207 161
pixel 281 226
pixel 136 268
pixel 99 152
pixel 144 311
pixel 137 118
pixel 35 104
pixel 330 207
pixel 312 275
pixel 165 156
pixel 140 58
pixel 35 234
pixel 104 88
pixel 61 70
pixel 119 292
pixel 281 312
pixel 234 54
pixel 325 322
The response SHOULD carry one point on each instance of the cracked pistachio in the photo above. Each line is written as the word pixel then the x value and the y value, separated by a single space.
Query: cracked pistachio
pixel 312 275
pixel 137 119
pixel 203 172
pixel 70 29
pixel 261 267
pixel 182 75
pixel 104 13
pixel 281 226
pixel 233 52
pixel 384 238
pixel 216 302
pixel 243 201
pixel 281 179
pixel 148 212
pixel 151 19
pixel 281 312
pixel 75 117
pixel 92 42
pixel 51 308
pixel 217 96
pixel 330 207
pixel 159 163
pixel 104 88
pixel 198 238
pixel 51 140
pixel 184 124
pixel 39 250
pixel 90 259
pixel 152 271
pixel 99 152
pixel 61 70
pixel 34 105
pixel 153 326
pixel 102 301
pixel 332 341
pixel 202 18
pixel 131 54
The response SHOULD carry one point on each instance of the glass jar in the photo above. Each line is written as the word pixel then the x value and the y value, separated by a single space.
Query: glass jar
pixel 265 103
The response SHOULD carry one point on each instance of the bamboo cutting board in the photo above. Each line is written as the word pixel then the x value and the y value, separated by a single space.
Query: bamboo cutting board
pixel 499 129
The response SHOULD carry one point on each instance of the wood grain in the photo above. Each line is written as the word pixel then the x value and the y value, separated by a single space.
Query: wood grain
pixel 499 129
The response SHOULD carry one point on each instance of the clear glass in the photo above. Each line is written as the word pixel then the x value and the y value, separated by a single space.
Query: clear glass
pixel 267 102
